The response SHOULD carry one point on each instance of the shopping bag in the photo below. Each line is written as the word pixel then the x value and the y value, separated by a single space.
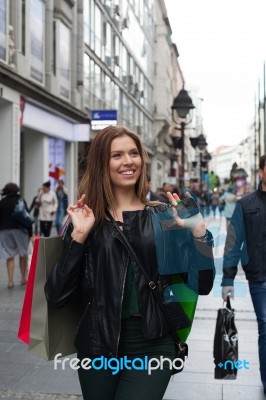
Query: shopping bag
pixel 24 325
pixel 52 330
pixel 225 348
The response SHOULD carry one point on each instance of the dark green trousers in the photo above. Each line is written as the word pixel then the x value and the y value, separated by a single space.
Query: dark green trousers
pixel 130 384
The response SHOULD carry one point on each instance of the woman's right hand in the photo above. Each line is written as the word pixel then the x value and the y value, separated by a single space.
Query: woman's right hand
pixel 82 218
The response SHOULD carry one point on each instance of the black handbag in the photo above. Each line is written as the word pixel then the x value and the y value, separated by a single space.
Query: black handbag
pixel 173 312
pixel 225 348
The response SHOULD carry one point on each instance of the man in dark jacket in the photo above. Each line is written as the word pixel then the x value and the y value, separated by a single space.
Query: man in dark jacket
pixel 151 196
pixel 246 241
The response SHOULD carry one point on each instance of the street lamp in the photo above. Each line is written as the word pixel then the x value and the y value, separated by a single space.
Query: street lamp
pixel 201 143
pixel 182 104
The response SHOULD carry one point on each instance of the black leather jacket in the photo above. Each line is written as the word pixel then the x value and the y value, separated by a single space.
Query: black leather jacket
pixel 97 269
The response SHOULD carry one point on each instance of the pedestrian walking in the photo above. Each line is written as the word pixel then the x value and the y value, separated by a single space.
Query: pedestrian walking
pixel 214 201
pixel 35 208
pixel 245 242
pixel 150 196
pixel 167 187
pixel 229 199
pixel 62 199
pixel 221 205
pixel 120 314
pixel 47 202
pixel 13 240
pixel 204 203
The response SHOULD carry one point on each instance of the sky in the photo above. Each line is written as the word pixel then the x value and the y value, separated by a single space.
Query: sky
pixel 222 48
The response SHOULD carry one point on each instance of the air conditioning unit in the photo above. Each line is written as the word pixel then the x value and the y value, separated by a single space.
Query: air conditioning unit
pixel 125 23
pixel 130 79
pixel 139 130
pixel 108 61
pixel 136 88
pixel 117 10
pixel 141 93
pixel 116 60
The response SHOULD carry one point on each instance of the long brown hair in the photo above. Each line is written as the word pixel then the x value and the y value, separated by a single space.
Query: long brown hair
pixel 96 183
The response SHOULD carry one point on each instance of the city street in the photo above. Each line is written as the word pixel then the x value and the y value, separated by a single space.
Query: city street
pixel 23 376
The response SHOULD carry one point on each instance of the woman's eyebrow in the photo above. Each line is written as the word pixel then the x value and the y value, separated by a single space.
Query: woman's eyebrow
pixel 121 151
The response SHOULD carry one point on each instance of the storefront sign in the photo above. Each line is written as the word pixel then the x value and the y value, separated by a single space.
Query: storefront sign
pixel 100 119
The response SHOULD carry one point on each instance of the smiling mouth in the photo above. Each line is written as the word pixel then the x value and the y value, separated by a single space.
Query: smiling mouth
pixel 127 173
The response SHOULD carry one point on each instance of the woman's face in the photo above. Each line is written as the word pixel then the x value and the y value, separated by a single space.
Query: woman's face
pixel 125 162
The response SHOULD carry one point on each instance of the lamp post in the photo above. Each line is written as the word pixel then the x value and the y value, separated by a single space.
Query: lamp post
pixel 201 143
pixel 182 104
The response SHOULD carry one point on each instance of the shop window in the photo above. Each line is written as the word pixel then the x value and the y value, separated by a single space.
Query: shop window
pixel 62 64
pixel 4 30
pixel 86 19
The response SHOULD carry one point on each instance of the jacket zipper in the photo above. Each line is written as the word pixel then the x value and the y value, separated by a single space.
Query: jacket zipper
pixel 83 315
pixel 123 287
pixel 86 278
pixel 86 267
pixel 158 308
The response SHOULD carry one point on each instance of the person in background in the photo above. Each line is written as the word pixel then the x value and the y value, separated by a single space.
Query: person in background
pixel 47 202
pixel 13 240
pixel 120 316
pixel 62 199
pixel 204 203
pixel 35 207
pixel 214 201
pixel 221 203
pixel 167 187
pixel 194 192
pixel 151 196
pixel 246 242
pixel 229 199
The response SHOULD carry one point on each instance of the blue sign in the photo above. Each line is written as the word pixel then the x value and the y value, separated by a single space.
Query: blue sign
pixel 104 115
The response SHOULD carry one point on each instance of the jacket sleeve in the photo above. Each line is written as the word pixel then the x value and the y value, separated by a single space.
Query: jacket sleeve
pixel 202 272
pixel 234 241
pixel 32 203
pixel 29 229
pixel 64 279
pixel 55 202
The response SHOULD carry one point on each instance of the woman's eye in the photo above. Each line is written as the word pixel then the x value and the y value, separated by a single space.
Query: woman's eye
pixel 136 153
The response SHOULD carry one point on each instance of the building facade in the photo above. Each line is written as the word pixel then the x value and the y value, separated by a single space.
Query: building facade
pixel 63 62
pixel 41 112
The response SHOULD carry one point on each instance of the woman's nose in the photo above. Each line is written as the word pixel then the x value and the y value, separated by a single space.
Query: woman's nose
pixel 127 159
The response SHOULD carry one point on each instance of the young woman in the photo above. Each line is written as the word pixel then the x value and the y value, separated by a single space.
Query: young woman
pixel 47 202
pixel 120 315
pixel 62 198
pixel 13 240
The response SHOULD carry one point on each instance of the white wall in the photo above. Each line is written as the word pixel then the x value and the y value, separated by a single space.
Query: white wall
pixel 9 143
pixel 72 170
pixel 35 163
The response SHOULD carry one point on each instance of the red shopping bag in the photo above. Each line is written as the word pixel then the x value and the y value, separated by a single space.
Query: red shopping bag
pixel 24 325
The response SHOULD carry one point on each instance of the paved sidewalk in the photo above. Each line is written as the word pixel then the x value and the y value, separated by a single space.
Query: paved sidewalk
pixel 23 376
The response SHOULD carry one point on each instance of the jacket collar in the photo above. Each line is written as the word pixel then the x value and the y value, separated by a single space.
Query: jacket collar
pixel 260 191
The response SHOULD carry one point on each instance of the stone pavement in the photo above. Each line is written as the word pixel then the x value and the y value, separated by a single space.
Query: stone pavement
pixel 23 376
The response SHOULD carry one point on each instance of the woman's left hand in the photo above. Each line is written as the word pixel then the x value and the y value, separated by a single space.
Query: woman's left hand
pixel 195 224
